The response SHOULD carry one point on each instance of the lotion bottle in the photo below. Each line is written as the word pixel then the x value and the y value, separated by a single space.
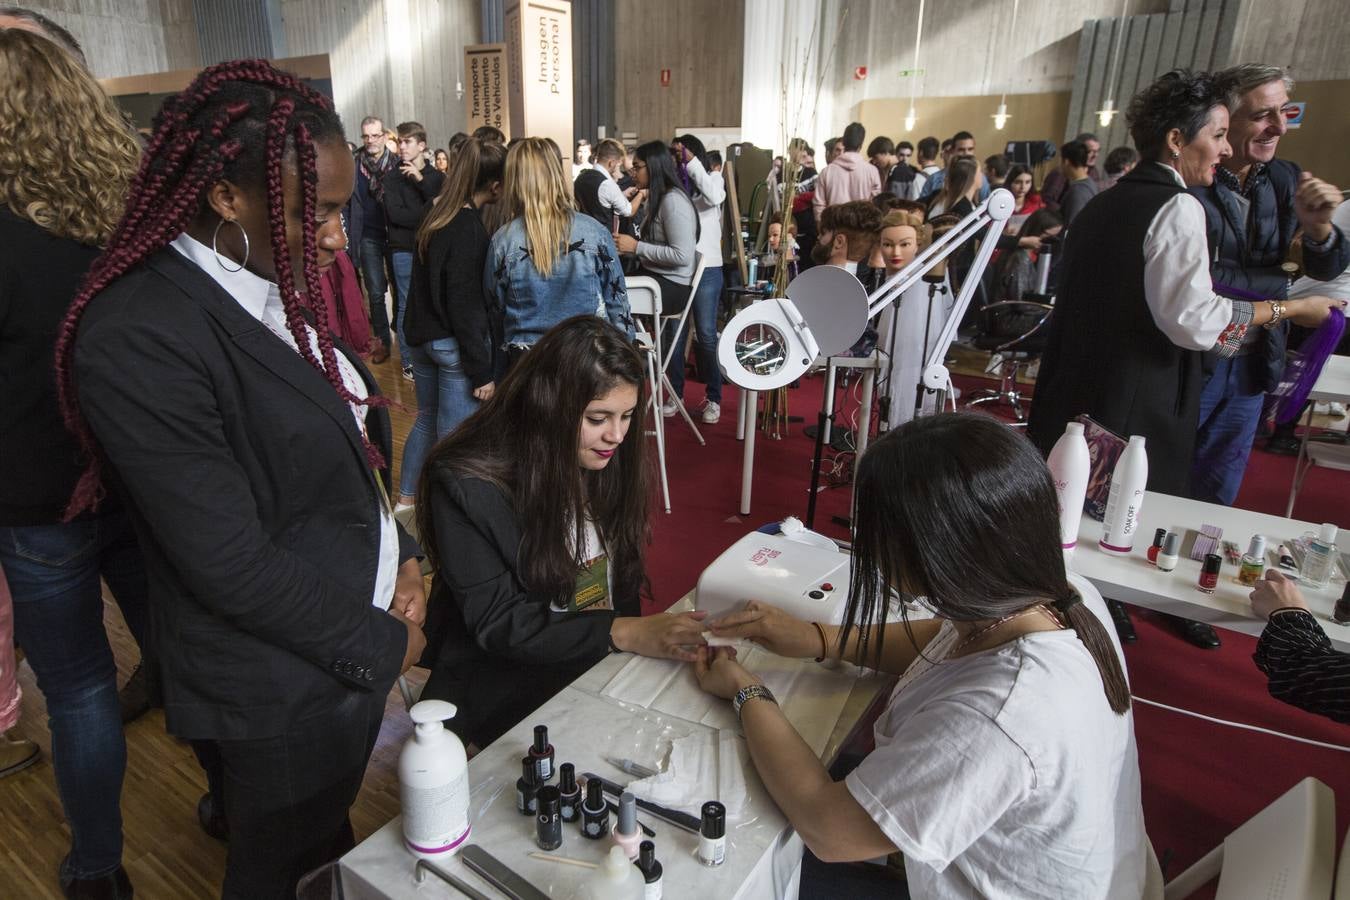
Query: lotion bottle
pixel 616 878
pixel 1320 558
pixel 1070 464
pixel 1126 499
pixel 433 778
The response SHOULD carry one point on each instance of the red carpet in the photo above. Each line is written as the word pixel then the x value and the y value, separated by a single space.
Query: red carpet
pixel 1201 780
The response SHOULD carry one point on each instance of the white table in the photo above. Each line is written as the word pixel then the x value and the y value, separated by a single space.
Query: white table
pixel 585 724
pixel 1131 579
pixel 1333 384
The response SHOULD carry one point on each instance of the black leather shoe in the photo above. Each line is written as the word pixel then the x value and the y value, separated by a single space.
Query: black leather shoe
pixel 1283 445
pixel 1199 634
pixel 212 819
pixel 113 886
pixel 134 697
pixel 1121 616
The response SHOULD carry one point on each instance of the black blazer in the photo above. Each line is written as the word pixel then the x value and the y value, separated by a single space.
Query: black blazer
pixel 255 507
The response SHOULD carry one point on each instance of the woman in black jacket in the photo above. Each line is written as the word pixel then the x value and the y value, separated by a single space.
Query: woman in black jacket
pixel 250 448
pixel 534 514
pixel 451 330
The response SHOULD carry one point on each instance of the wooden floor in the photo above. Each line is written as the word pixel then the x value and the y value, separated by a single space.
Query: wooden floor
pixel 167 855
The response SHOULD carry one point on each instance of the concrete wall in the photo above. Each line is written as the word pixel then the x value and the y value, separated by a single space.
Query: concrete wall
pixel 128 37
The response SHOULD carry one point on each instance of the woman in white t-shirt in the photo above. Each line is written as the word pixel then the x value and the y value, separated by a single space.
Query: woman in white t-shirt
pixel 1005 763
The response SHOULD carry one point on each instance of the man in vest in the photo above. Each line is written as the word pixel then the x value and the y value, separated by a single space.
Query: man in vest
pixel 598 193
pixel 1252 211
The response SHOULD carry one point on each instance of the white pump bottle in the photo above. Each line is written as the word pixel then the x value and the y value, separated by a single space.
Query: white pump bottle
pixel 433 777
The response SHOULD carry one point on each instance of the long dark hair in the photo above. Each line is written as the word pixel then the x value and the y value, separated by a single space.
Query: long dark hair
pixel 960 510
pixel 474 168
pixel 662 179
pixel 239 121
pixel 524 441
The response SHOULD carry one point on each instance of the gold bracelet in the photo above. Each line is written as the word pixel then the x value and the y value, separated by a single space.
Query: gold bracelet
pixel 824 644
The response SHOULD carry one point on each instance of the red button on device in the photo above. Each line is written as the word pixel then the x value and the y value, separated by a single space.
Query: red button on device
pixel 827 586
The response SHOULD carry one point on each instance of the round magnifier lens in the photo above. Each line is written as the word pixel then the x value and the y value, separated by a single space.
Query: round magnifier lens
pixel 761 349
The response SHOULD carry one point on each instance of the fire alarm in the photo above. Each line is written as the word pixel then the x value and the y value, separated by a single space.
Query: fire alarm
pixel 860 73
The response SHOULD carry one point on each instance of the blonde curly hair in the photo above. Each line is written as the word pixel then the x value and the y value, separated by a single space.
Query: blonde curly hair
pixel 67 156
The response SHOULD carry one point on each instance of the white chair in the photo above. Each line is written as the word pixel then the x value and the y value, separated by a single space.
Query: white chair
pixel 648 291
pixel 644 299
pixel 1287 849
pixel 651 285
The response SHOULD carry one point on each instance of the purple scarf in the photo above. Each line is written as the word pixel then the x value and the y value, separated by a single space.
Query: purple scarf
pixel 1305 365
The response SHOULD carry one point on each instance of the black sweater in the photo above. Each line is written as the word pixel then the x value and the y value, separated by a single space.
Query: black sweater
pixel 497 650
pixel 447 297
pixel 1304 669
pixel 39 276
pixel 405 203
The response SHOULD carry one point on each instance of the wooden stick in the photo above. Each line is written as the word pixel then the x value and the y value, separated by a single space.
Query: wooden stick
pixel 564 860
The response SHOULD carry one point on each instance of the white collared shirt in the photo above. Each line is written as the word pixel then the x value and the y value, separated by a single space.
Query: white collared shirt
pixel 1177 283
pixel 611 195
pixel 261 299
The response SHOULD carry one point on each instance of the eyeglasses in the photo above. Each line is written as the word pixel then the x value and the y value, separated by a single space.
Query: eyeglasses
pixel 639 165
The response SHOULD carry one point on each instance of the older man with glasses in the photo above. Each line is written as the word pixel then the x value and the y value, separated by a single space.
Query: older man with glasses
pixel 374 161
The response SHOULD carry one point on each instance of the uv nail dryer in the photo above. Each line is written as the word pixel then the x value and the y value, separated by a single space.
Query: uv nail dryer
pixel 808 581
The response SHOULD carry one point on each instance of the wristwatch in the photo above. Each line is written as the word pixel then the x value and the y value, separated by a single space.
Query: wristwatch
pixel 751 692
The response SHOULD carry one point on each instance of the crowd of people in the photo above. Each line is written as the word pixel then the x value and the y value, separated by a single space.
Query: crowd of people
pixel 194 408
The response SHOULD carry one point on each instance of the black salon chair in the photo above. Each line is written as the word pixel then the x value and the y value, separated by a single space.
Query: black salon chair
pixel 1016 331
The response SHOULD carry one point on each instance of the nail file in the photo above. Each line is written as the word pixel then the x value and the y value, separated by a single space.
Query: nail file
pixel 498 875
pixel 673 816
pixel 454 881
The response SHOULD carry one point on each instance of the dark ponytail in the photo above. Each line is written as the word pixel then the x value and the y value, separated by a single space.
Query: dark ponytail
pixel 960 511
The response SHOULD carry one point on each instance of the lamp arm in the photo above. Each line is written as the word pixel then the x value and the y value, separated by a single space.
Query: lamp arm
pixel 993 212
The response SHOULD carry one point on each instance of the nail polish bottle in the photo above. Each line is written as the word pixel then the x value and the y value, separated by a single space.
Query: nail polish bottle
pixel 527 788
pixel 625 832
pixel 569 792
pixel 651 871
pixel 542 754
pixel 594 812
pixel 1170 552
pixel 548 821
pixel 1158 537
pixel 1209 574
pixel 712 834
pixel 1253 563
pixel 1341 614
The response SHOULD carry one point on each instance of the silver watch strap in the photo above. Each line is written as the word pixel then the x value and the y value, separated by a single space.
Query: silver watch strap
pixel 751 692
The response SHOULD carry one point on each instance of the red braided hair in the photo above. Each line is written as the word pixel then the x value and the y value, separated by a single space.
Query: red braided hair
pixel 234 121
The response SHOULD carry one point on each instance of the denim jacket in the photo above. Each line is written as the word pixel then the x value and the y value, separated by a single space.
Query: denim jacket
pixel 587 279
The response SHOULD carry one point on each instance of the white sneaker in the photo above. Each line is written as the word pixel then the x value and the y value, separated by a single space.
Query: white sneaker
pixel 1336 408
pixel 670 407
pixel 712 412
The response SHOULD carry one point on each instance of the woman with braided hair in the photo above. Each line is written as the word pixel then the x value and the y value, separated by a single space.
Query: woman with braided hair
pixel 197 371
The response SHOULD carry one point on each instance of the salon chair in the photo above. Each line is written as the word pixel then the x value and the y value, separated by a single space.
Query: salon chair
pixel 1016 331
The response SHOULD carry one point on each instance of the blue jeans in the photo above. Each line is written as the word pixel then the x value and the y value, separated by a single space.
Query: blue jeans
pixel 402 265
pixel 53 573
pixel 1230 411
pixel 444 399
pixel 374 255
pixel 707 300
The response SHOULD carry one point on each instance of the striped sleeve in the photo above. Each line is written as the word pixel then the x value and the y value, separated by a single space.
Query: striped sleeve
pixel 1303 668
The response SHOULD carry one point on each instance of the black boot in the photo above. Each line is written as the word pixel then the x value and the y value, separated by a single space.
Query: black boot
pixel 1198 633
pixel 212 818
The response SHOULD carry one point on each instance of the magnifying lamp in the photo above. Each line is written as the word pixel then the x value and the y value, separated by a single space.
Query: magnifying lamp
pixel 773 342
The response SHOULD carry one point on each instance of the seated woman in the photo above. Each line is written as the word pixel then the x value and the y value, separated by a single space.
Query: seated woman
pixel 1015 270
pixel 534 515
pixel 549 262
pixel 1005 761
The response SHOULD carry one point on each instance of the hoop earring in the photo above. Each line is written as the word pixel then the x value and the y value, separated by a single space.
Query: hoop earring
pixel 215 237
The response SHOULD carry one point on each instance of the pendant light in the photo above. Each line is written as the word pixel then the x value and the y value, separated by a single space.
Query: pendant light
pixel 1001 117
pixel 1108 110
pixel 911 119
